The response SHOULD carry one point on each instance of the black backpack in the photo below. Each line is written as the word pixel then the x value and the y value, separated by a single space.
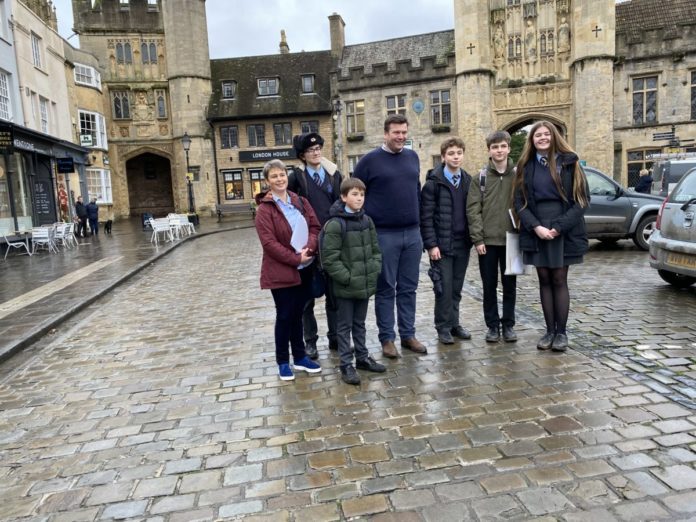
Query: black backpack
pixel 322 233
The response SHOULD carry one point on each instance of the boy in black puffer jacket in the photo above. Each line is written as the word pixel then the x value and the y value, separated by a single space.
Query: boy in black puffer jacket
pixel 445 233
pixel 351 257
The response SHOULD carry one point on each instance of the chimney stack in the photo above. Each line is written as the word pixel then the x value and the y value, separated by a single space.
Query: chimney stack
pixel 284 49
pixel 337 32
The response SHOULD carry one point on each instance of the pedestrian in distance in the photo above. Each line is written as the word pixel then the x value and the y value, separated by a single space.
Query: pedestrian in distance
pixel 645 181
pixel 351 257
pixel 81 213
pixel 317 180
pixel 288 229
pixel 487 210
pixel 550 198
pixel 445 233
pixel 93 216
pixel 391 174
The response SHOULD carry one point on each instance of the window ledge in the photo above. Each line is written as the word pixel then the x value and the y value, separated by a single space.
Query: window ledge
pixel 355 137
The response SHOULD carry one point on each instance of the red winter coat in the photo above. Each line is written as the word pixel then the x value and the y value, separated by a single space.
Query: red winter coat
pixel 280 261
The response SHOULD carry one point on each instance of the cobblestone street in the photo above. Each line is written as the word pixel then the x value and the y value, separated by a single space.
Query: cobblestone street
pixel 161 402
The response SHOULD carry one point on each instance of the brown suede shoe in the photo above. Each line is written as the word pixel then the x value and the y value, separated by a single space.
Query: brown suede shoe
pixel 389 350
pixel 414 345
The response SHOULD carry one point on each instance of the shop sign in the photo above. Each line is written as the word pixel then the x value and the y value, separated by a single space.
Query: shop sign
pixel 65 165
pixel 6 139
pixel 27 145
pixel 266 155
pixel 86 140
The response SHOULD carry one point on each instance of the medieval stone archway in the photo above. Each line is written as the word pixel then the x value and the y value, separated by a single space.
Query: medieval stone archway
pixel 525 121
pixel 149 185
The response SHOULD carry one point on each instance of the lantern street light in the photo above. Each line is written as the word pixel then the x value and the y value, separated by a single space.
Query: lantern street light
pixel 186 143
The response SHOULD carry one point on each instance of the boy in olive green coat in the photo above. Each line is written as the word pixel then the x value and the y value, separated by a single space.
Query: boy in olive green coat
pixel 351 258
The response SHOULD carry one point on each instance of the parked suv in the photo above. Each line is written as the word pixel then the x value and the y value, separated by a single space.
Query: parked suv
pixel 673 245
pixel 667 172
pixel 616 213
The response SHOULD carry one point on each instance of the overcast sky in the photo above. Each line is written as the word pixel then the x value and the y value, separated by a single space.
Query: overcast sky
pixel 252 27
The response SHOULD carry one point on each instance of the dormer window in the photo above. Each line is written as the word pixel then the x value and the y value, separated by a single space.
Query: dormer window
pixel 268 86
pixel 307 83
pixel 229 89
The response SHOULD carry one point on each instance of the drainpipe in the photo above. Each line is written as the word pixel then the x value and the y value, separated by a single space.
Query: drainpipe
pixel 215 164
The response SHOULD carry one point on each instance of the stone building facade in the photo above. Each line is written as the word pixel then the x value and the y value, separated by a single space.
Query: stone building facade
pixel 258 104
pixel 654 82
pixel 157 83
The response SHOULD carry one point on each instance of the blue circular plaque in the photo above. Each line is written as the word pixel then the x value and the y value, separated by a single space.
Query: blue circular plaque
pixel 418 106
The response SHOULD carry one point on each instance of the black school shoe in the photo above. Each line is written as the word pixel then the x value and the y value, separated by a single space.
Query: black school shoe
pixel 445 338
pixel 370 365
pixel 493 334
pixel 461 332
pixel 509 335
pixel 546 341
pixel 311 350
pixel 349 375
pixel 560 343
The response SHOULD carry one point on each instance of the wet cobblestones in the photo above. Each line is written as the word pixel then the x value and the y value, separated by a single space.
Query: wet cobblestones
pixel 162 404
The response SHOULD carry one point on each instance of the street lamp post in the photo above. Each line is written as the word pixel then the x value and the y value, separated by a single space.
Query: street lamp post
pixel 186 143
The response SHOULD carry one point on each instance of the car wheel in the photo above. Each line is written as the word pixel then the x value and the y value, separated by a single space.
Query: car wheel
pixel 643 231
pixel 678 280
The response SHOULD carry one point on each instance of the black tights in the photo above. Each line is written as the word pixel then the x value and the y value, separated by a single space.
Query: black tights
pixel 555 298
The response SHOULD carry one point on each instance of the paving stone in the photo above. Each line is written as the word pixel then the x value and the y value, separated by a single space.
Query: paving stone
pixel 182 466
pixel 381 485
pixel 242 474
pixel 327 460
pixel 107 494
pixel 502 507
pixel 401 516
pixel 322 513
pixel 641 511
pixel 455 512
pixel 368 505
pixel 677 477
pixel 202 481
pixel 172 503
pixel 368 454
pixel 637 485
pixel 394 467
pixel 682 502
pixel 503 483
pixel 459 491
pixel 155 487
pixel 412 499
pixel 309 481
pixel 262 454
pixel 265 489
pixel 62 501
pixel 590 493
pixel 408 448
pixel 634 461
pixel 241 508
pixel 125 510
pixel 543 501
pixel 219 496
pixel 198 515
pixel 548 476
pixel 594 515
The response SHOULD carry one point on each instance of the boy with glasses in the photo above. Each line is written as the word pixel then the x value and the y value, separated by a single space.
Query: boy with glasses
pixel 318 180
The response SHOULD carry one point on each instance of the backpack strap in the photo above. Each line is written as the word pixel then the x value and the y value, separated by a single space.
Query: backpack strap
pixel 482 181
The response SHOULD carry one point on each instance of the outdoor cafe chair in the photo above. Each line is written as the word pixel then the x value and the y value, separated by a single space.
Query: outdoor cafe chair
pixel 15 244
pixel 43 236
pixel 61 234
pixel 160 226
pixel 180 225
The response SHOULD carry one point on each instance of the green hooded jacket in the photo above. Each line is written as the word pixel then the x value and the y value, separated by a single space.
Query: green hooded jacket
pixel 489 218
pixel 350 253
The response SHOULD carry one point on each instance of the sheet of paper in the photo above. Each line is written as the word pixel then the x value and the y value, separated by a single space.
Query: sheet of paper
pixel 299 238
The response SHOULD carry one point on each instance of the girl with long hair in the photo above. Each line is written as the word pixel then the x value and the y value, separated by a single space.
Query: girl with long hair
pixel 550 196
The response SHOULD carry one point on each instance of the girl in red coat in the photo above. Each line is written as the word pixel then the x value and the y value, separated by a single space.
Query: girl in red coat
pixel 288 230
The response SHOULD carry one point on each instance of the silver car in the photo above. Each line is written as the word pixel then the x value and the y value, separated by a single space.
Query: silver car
pixel 616 213
pixel 673 244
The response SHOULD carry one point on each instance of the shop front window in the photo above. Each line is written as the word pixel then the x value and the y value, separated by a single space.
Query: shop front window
pixel 234 187
pixel 258 184
pixel 14 192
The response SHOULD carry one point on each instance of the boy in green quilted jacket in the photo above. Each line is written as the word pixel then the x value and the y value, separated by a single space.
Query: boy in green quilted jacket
pixel 351 258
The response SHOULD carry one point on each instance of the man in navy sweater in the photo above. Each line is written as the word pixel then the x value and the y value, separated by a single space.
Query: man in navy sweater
pixel 391 174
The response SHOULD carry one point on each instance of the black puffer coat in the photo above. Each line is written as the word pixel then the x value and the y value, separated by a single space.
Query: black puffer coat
pixel 437 209
pixel 570 224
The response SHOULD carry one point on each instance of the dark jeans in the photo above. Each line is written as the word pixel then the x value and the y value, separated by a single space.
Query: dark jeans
pixel 309 321
pixel 289 304
pixel 82 227
pixel 398 282
pixel 489 264
pixel 94 225
pixel 453 269
pixel 351 318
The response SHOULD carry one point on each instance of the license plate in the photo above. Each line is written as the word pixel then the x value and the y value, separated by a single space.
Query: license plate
pixel 682 260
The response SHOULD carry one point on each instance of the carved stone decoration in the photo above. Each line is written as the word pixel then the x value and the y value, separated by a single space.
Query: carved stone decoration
pixel 163 129
pixel 498 45
pixel 530 9
pixel 498 16
pixel 125 131
pixel 562 6
pixel 527 97
pixel 143 110
pixel 563 41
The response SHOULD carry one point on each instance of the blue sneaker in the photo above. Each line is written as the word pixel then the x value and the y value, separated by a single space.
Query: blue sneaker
pixel 285 373
pixel 308 365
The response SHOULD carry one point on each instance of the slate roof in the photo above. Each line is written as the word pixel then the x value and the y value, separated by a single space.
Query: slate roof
pixel 638 16
pixel 408 48
pixel 289 68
